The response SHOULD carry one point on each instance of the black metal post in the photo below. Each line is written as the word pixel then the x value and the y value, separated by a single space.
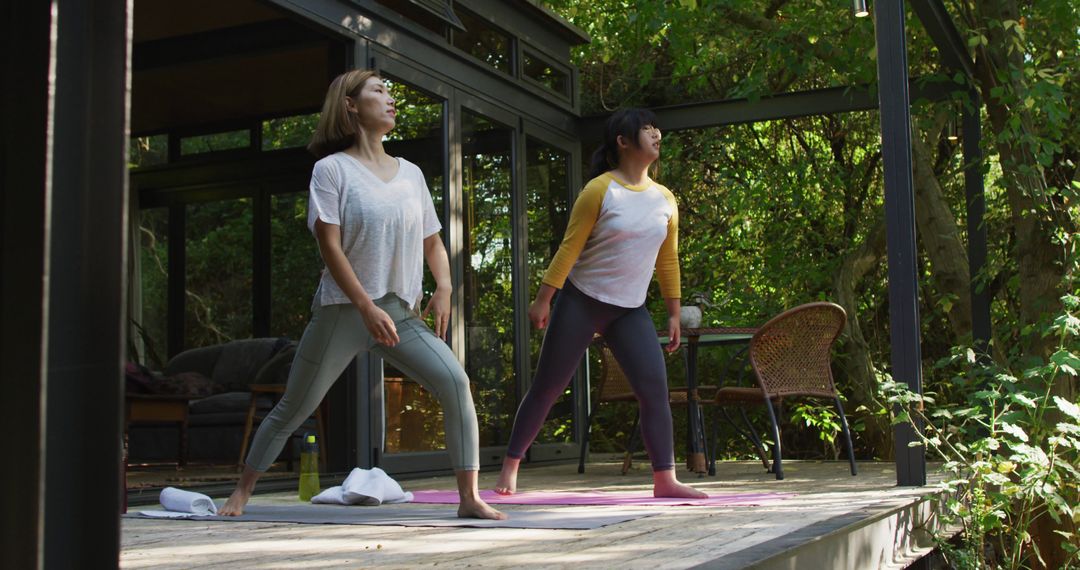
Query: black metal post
pixel 87 313
pixel 24 233
pixel 899 225
pixel 976 228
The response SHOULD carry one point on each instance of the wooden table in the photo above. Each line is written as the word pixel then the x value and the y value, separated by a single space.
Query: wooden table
pixel 159 408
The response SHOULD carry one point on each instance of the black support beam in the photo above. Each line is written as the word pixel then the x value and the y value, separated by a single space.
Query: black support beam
pixel 971 133
pixel 24 232
pixel 939 25
pixel 900 226
pixel 87 313
pixel 829 101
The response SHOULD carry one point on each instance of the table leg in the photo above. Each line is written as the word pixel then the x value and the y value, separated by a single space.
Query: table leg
pixel 695 456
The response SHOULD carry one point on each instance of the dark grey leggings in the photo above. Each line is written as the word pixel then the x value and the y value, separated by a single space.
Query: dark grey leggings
pixel 632 337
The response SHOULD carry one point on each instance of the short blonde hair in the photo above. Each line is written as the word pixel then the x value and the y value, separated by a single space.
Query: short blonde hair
pixel 337 130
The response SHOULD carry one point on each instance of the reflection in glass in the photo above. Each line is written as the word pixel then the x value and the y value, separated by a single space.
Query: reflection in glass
pixel 215 142
pixel 153 280
pixel 539 70
pixel 288 132
pixel 482 40
pixel 547 193
pixel 218 285
pixel 294 265
pixel 489 308
pixel 148 151
pixel 414 419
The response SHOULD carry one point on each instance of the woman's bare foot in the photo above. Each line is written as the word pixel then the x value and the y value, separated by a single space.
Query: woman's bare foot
pixel 235 505
pixel 666 485
pixel 507 484
pixel 471 505
pixel 476 508
pixel 239 498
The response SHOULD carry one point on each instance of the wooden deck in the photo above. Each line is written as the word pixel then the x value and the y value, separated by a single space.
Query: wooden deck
pixel 835 521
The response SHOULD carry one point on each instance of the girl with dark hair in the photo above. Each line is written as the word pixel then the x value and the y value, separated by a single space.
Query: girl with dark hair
pixel 622 226
pixel 375 224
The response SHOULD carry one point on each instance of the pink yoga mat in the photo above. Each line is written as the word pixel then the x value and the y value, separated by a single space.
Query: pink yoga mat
pixel 603 498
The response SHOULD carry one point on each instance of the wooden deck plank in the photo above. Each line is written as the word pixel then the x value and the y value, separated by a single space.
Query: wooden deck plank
pixel 679 537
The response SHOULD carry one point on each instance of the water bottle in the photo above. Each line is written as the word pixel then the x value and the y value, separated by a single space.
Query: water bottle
pixel 309 468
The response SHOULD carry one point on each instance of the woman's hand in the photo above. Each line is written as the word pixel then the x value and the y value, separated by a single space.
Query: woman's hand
pixel 379 324
pixel 439 307
pixel 674 329
pixel 539 311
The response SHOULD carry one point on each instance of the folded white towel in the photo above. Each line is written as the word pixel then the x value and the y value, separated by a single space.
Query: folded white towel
pixel 369 487
pixel 179 503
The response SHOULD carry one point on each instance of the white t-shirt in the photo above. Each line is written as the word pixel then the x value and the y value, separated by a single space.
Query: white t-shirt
pixel 383 226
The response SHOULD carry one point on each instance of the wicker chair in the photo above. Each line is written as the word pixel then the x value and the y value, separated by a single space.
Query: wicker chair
pixel 790 356
pixel 615 387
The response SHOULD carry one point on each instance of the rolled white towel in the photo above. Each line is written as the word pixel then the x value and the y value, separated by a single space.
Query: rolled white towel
pixel 181 503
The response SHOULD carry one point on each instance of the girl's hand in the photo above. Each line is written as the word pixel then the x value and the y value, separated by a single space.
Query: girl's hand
pixel 539 311
pixel 674 331
pixel 439 307
pixel 379 324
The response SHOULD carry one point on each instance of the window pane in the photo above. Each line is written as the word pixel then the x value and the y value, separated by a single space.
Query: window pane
pixel 288 132
pixel 215 142
pixel 547 191
pixel 294 265
pixel 153 280
pixel 489 308
pixel 483 41
pixel 148 151
pixel 218 290
pixel 540 70
pixel 417 14
pixel 414 418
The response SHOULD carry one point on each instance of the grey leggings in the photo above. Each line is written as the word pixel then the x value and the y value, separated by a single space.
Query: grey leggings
pixel 335 335
pixel 632 337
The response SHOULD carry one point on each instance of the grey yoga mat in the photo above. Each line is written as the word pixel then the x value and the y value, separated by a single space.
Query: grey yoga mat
pixel 397 515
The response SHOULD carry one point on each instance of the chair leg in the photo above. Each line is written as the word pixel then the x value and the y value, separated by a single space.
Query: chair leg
pixel 847 437
pixel 778 468
pixel 585 443
pixel 247 431
pixel 754 437
pixel 715 442
pixel 628 459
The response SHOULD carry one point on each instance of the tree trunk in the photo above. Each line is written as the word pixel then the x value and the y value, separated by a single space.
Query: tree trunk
pixel 939 236
pixel 858 365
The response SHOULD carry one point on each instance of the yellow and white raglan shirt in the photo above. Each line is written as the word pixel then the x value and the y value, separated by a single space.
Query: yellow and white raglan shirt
pixel 616 235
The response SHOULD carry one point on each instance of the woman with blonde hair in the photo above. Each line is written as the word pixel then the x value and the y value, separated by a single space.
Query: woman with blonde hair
pixel 375 224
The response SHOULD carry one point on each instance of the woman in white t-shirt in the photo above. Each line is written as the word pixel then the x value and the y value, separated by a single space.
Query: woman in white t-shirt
pixel 622 227
pixel 375 223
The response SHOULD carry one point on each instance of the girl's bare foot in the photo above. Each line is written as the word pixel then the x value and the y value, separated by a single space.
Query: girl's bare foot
pixel 476 508
pixel 507 484
pixel 666 485
pixel 235 505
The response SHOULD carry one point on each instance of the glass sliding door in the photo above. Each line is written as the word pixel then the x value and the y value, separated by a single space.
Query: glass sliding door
pixel 218 281
pixel 414 418
pixel 487 151
pixel 547 192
